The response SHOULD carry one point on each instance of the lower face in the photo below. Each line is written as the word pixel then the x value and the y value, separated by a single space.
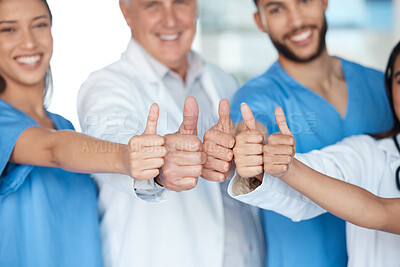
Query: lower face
pixel 290 54
pixel 26 45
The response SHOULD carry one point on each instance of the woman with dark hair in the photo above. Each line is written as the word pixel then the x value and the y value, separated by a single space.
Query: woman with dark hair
pixel 48 212
pixel 365 191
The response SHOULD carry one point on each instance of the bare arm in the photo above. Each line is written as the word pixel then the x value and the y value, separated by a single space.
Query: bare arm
pixel 76 152
pixel 342 199
pixel 347 201
pixel 68 150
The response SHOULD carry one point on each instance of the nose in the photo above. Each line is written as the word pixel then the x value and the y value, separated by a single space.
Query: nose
pixel 295 18
pixel 170 17
pixel 28 40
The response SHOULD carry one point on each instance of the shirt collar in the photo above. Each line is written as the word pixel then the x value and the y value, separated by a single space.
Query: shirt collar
pixel 195 66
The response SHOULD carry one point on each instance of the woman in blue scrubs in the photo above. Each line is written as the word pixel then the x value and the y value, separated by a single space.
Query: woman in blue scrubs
pixel 48 213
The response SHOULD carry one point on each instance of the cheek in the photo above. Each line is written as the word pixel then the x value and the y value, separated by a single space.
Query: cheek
pixel 396 100
pixel 189 20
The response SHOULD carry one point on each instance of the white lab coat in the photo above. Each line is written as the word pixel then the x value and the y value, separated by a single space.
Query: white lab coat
pixel 184 229
pixel 359 160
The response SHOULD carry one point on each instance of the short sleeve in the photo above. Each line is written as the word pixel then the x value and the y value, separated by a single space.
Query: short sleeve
pixel 12 123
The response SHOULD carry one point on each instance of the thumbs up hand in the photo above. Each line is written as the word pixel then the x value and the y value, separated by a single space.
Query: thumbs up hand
pixel 218 143
pixel 280 148
pixel 147 151
pixel 184 160
pixel 248 150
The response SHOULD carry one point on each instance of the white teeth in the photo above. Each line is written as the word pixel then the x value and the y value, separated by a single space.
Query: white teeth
pixel 301 37
pixel 171 37
pixel 28 60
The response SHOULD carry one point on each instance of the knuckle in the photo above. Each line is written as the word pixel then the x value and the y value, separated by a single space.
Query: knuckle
pixel 133 140
pixel 259 137
pixel 207 135
pixel 229 155
pixel 198 170
pixel 291 140
pixel 284 168
pixel 167 172
pixel 155 173
pixel 258 160
pixel 160 162
pixel 197 144
pixel 194 182
pixel 203 158
pixel 221 177
pixel 207 146
pixel 236 151
pixel 163 151
pixel 226 167
pixel 159 140
pixel 136 174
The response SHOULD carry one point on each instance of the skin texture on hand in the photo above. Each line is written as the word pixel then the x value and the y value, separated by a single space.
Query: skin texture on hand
pixel 184 161
pixel 147 151
pixel 248 151
pixel 280 148
pixel 218 143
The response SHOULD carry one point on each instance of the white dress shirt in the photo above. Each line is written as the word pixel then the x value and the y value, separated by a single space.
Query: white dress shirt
pixel 359 160
pixel 141 223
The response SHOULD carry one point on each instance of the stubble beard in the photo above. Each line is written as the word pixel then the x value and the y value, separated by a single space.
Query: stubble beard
pixel 290 55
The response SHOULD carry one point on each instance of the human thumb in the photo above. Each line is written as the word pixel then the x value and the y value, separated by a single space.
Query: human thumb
pixel 152 118
pixel 225 123
pixel 281 121
pixel 190 116
pixel 248 117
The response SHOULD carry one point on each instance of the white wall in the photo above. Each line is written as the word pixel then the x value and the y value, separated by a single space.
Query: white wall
pixel 88 35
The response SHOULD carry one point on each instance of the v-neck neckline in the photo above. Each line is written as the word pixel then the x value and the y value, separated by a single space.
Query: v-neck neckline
pixel 56 127
pixel 346 79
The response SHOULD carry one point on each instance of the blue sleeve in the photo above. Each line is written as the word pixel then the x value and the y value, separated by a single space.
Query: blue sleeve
pixel 262 99
pixel 12 124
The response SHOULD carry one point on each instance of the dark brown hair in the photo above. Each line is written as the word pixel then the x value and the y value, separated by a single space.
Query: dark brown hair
pixel 389 90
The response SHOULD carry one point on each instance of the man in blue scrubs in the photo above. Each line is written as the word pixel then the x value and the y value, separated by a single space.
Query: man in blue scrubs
pixel 325 99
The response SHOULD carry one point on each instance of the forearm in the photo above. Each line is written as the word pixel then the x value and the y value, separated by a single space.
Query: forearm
pixel 69 150
pixel 342 199
pixel 81 153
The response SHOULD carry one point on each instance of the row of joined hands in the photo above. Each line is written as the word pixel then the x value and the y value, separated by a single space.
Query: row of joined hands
pixel 177 160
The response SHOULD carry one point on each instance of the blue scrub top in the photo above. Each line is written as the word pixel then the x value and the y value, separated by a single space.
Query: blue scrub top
pixel 315 123
pixel 48 216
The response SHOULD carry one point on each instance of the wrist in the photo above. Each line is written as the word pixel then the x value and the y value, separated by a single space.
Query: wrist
pixel 123 164
pixel 290 173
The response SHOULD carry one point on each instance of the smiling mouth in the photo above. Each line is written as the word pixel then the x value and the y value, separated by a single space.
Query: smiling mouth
pixel 28 60
pixel 169 37
pixel 301 37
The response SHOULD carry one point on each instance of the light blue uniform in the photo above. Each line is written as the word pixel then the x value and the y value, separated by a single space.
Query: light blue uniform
pixel 48 216
pixel 315 123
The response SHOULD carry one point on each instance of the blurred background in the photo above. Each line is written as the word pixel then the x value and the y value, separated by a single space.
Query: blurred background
pixel 91 34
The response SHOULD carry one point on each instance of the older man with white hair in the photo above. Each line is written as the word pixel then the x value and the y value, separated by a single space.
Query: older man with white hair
pixel 152 223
